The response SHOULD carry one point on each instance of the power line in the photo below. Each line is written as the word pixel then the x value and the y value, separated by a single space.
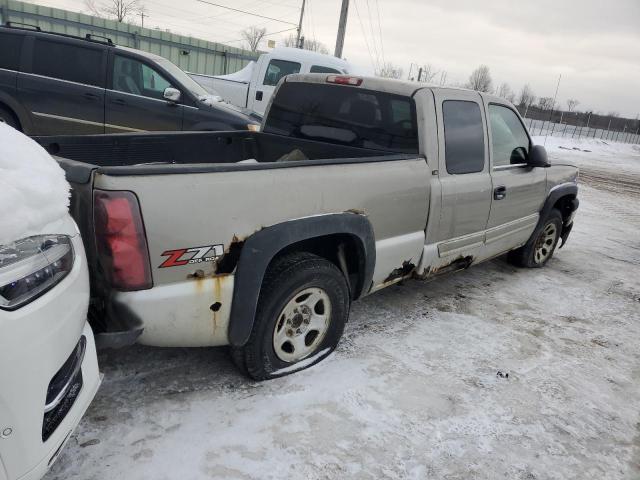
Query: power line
pixel 245 12
pixel 373 35
pixel 364 34
pixel 384 61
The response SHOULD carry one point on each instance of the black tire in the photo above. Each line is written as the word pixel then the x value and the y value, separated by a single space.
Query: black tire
pixel 286 278
pixel 6 116
pixel 525 256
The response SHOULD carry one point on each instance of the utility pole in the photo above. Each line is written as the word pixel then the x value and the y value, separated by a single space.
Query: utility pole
pixel 300 25
pixel 342 28
pixel 142 17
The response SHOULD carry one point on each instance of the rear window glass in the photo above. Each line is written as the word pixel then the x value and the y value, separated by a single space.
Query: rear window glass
pixel 463 136
pixel 278 69
pixel 321 69
pixel 68 62
pixel 345 115
pixel 10 48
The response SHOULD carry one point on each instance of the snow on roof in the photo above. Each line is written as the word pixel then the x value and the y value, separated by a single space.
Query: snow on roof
pixel 33 188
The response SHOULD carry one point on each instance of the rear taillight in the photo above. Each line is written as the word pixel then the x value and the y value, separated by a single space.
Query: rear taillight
pixel 344 80
pixel 120 240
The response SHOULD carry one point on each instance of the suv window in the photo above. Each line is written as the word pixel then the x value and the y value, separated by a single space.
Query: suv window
pixel 70 62
pixel 509 140
pixel 463 136
pixel 10 51
pixel 278 69
pixel 133 76
pixel 345 115
pixel 321 69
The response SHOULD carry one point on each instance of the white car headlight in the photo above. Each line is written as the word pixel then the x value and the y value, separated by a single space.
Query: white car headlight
pixel 31 266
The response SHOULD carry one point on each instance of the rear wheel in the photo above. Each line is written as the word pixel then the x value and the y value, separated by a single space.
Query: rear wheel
pixel 302 310
pixel 540 247
pixel 8 118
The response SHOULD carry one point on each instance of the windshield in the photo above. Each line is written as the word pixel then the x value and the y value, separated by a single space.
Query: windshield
pixel 189 83
pixel 345 115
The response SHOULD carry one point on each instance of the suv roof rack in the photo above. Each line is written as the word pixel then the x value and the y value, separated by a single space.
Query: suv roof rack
pixel 89 37
pixel 23 26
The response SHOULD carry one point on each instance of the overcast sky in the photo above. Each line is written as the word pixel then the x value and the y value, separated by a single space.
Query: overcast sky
pixel 595 45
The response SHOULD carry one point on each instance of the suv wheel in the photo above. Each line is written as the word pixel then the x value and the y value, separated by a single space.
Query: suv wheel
pixel 302 310
pixel 540 247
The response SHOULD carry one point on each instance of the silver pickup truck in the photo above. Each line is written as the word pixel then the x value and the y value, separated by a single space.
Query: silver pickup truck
pixel 261 240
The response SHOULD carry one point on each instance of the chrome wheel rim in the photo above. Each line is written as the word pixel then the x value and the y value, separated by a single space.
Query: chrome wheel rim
pixel 545 243
pixel 302 324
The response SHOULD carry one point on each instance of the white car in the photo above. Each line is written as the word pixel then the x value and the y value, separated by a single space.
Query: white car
pixel 48 366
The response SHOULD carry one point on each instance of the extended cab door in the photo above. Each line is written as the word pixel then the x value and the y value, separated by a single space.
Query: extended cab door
pixel 63 87
pixel 135 98
pixel 464 175
pixel 267 77
pixel 518 190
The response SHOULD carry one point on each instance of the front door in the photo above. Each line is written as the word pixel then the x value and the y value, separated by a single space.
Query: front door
pixel 464 175
pixel 135 101
pixel 63 89
pixel 518 190
pixel 268 77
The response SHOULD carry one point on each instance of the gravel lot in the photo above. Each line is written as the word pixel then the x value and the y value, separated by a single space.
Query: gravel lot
pixel 418 387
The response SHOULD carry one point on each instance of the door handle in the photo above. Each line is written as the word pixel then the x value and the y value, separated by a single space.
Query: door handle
pixel 259 95
pixel 499 192
pixel 118 101
pixel 90 96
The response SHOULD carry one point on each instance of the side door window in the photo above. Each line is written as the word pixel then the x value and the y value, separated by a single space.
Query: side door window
pixel 463 136
pixel 134 77
pixel 10 51
pixel 65 61
pixel 509 140
pixel 278 69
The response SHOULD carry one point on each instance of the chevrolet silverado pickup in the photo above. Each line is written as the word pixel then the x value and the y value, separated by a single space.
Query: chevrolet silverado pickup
pixel 261 240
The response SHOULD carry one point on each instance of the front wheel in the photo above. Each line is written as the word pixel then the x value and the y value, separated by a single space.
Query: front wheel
pixel 540 247
pixel 302 310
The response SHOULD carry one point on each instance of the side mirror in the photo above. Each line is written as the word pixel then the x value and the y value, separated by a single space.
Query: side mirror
pixel 538 157
pixel 171 94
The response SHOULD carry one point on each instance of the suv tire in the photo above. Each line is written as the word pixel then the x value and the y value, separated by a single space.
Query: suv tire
pixel 301 314
pixel 540 247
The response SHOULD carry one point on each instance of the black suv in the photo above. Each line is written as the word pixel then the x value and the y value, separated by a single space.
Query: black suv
pixel 52 84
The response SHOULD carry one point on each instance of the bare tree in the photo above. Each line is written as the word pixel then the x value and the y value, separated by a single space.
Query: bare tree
pixel 311 44
pixel 253 36
pixel 443 77
pixel 428 73
pixel 389 70
pixel 119 10
pixel 614 114
pixel 504 91
pixel 572 103
pixel 480 79
pixel 526 97
pixel 546 103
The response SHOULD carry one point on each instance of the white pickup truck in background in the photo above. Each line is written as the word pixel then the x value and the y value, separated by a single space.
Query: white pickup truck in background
pixel 253 86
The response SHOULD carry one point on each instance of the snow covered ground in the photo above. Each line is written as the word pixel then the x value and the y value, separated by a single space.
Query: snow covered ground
pixel 418 387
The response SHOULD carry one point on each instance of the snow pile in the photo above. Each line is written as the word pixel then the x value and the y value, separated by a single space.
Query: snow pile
pixel 33 189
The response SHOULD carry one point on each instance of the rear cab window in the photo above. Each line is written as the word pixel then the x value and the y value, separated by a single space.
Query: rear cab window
pixel 463 136
pixel 345 115
pixel 278 69
pixel 66 61
pixel 10 50
pixel 321 69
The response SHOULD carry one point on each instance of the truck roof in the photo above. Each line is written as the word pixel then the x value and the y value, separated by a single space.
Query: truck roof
pixel 390 85
pixel 308 56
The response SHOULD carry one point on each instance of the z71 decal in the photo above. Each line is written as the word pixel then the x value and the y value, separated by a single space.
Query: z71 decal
pixel 185 256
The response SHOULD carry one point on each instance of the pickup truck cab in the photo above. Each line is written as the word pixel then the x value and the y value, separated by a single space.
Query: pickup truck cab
pixel 261 240
pixel 52 84
pixel 253 86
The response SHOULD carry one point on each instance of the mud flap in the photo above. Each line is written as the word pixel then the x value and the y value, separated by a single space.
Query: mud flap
pixel 566 230
pixel 124 327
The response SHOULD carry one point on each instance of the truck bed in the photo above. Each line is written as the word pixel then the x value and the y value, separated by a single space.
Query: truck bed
pixel 193 152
